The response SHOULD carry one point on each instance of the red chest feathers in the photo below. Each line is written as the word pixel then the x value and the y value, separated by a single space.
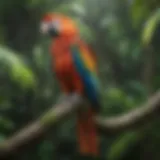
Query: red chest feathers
pixel 61 57
pixel 64 67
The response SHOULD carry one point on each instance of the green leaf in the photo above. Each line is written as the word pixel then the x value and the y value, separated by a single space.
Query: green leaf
pixel 17 70
pixel 150 27
pixel 86 33
pixel 78 9
pixel 122 145
pixel 116 94
pixel 139 11
pixel 6 123
pixel 2 137
pixel 46 150
pixel 5 104
pixel 35 3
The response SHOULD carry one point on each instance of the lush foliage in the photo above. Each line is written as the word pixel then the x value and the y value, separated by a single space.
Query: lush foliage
pixel 125 35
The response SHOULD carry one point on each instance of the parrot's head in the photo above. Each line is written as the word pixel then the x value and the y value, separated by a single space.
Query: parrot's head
pixel 56 25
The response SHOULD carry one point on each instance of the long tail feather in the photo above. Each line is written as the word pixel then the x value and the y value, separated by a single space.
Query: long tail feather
pixel 87 134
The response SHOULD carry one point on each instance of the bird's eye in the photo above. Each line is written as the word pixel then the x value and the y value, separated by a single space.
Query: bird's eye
pixel 56 24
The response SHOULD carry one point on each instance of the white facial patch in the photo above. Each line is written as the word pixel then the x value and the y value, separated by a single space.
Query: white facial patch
pixel 45 26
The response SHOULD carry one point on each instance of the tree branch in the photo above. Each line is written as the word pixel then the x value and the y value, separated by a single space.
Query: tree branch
pixel 136 118
pixel 35 131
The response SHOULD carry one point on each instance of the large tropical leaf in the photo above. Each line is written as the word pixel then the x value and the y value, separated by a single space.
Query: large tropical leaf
pixel 13 66
pixel 139 11
pixel 123 144
pixel 150 27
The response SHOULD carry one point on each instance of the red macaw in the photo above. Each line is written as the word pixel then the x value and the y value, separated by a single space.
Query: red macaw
pixel 76 69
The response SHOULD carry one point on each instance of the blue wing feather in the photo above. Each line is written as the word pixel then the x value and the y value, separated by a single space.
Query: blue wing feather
pixel 91 85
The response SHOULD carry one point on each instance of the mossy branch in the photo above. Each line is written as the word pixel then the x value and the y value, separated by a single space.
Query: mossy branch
pixel 35 131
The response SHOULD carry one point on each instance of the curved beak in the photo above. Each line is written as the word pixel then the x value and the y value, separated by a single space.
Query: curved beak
pixel 46 29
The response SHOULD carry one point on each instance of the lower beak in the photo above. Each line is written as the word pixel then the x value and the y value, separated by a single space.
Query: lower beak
pixel 53 32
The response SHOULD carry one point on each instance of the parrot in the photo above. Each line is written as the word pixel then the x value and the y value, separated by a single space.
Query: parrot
pixel 75 66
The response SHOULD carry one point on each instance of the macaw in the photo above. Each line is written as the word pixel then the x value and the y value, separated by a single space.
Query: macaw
pixel 75 66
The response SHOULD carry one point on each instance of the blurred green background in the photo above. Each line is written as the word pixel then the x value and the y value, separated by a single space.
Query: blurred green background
pixel 125 35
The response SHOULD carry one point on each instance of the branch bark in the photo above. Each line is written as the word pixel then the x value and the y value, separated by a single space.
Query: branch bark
pixel 35 131
pixel 134 119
